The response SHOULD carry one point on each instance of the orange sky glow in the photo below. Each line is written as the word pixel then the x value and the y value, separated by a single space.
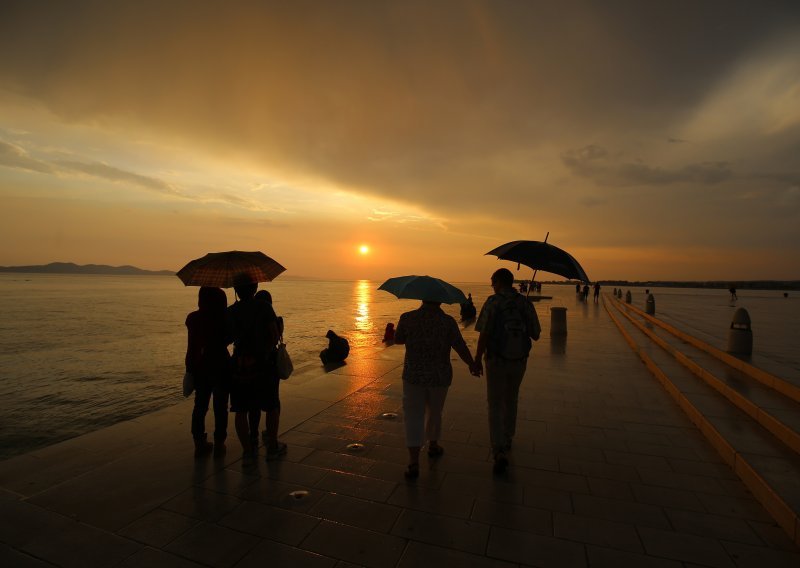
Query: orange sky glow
pixel 652 141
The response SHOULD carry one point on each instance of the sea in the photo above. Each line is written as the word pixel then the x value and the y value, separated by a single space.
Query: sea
pixel 82 352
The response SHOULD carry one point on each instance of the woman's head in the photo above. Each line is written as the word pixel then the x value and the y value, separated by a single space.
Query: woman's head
pixel 210 298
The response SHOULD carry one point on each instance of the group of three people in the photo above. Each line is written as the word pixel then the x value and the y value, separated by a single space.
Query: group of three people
pixel 507 324
pixel 249 376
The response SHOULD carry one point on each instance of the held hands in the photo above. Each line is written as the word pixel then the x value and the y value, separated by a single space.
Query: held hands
pixel 476 369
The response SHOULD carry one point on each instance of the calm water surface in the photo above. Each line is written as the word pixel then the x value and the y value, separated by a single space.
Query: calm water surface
pixel 78 353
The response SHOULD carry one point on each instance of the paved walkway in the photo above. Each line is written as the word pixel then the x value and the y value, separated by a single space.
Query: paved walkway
pixel 606 471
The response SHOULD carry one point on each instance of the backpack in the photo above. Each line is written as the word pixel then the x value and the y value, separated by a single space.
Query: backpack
pixel 509 338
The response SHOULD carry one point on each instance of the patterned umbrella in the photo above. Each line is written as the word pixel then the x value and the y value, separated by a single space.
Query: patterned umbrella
pixel 226 269
pixel 423 288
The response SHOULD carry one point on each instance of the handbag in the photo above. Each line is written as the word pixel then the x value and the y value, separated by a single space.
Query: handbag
pixel 188 384
pixel 283 363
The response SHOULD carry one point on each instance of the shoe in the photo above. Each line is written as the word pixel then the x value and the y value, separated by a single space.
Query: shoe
pixel 435 451
pixel 219 447
pixel 500 463
pixel 276 452
pixel 412 471
pixel 202 447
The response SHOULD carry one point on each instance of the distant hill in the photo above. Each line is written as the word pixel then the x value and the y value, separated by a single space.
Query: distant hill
pixel 72 268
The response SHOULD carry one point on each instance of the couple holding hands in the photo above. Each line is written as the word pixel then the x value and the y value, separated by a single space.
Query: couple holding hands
pixel 507 323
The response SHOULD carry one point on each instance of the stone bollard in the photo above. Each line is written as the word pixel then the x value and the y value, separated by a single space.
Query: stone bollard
pixel 650 305
pixel 628 297
pixel 558 321
pixel 740 335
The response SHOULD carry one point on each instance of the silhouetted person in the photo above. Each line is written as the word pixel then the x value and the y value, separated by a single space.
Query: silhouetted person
pixel 468 310
pixel 578 288
pixel 254 383
pixel 585 293
pixel 428 334
pixel 208 361
pixel 507 324
pixel 254 417
pixel 597 291
pixel 337 351
pixel 732 290
pixel 388 334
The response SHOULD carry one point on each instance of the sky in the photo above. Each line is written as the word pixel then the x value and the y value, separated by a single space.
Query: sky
pixel 652 140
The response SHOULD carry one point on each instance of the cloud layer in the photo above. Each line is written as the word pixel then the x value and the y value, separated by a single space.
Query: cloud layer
pixel 573 118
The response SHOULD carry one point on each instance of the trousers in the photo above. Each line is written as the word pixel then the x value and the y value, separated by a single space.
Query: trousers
pixel 422 413
pixel 503 379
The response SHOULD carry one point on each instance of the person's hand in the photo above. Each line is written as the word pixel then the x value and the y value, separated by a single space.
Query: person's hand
pixel 476 368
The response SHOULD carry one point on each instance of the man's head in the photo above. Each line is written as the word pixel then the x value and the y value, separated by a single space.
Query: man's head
pixel 502 278
pixel 246 291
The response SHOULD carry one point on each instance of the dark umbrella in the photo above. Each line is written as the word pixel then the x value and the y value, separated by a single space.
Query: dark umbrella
pixel 541 256
pixel 423 288
pixel 226 269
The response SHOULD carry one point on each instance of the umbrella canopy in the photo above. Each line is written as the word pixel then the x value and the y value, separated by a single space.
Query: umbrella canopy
pixel 425 288
pixel 541 256
pixel 226 269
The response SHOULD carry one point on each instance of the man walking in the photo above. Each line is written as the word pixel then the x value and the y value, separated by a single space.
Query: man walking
pixel 507 324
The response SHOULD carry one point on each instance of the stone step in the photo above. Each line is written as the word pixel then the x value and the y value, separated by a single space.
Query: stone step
pixel 769 407
pixel 769 469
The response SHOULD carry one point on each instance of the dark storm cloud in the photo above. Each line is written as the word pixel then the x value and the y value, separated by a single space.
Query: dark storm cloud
pixel 594 162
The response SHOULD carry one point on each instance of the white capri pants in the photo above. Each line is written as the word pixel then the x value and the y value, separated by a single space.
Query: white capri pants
pixel 422 413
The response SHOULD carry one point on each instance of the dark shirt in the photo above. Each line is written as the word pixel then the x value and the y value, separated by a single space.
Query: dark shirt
pixel 249 324
pixel 207 350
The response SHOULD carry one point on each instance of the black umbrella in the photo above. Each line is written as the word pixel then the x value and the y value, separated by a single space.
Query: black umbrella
pixel 541 256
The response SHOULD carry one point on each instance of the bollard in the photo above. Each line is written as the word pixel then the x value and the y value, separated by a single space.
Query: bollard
pixel 628 297
pixel 619 293
pixel 740 335
pixel 558 321
pixel 650 305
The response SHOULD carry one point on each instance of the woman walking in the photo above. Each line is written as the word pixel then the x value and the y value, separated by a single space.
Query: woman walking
pixel 428 334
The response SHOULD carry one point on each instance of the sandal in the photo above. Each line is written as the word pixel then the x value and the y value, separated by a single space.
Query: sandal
pixel 412 471
pixel 435 451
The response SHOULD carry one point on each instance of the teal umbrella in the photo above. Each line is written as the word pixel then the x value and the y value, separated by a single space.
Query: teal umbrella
pixel 425 288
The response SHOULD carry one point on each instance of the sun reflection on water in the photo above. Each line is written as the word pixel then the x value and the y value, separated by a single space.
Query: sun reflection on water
pixel 362 293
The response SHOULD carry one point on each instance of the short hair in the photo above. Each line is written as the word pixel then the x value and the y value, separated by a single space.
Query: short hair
pixel 246 291
pixel 503 277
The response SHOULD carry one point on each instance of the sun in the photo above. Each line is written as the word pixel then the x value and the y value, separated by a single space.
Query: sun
pixel 363 249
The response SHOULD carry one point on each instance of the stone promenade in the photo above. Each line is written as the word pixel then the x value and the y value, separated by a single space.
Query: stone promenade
pixel 606 471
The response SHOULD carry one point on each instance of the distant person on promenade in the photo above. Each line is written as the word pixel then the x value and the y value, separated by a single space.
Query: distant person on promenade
pixel 337 351
pixel 734 297
pixel 507 324
pixel 596 292
pixel 428 334
pixel 208 361
pixel 578 288
pixel 388 333
pixel 467 309
pixel 585 293
pixel 254 382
